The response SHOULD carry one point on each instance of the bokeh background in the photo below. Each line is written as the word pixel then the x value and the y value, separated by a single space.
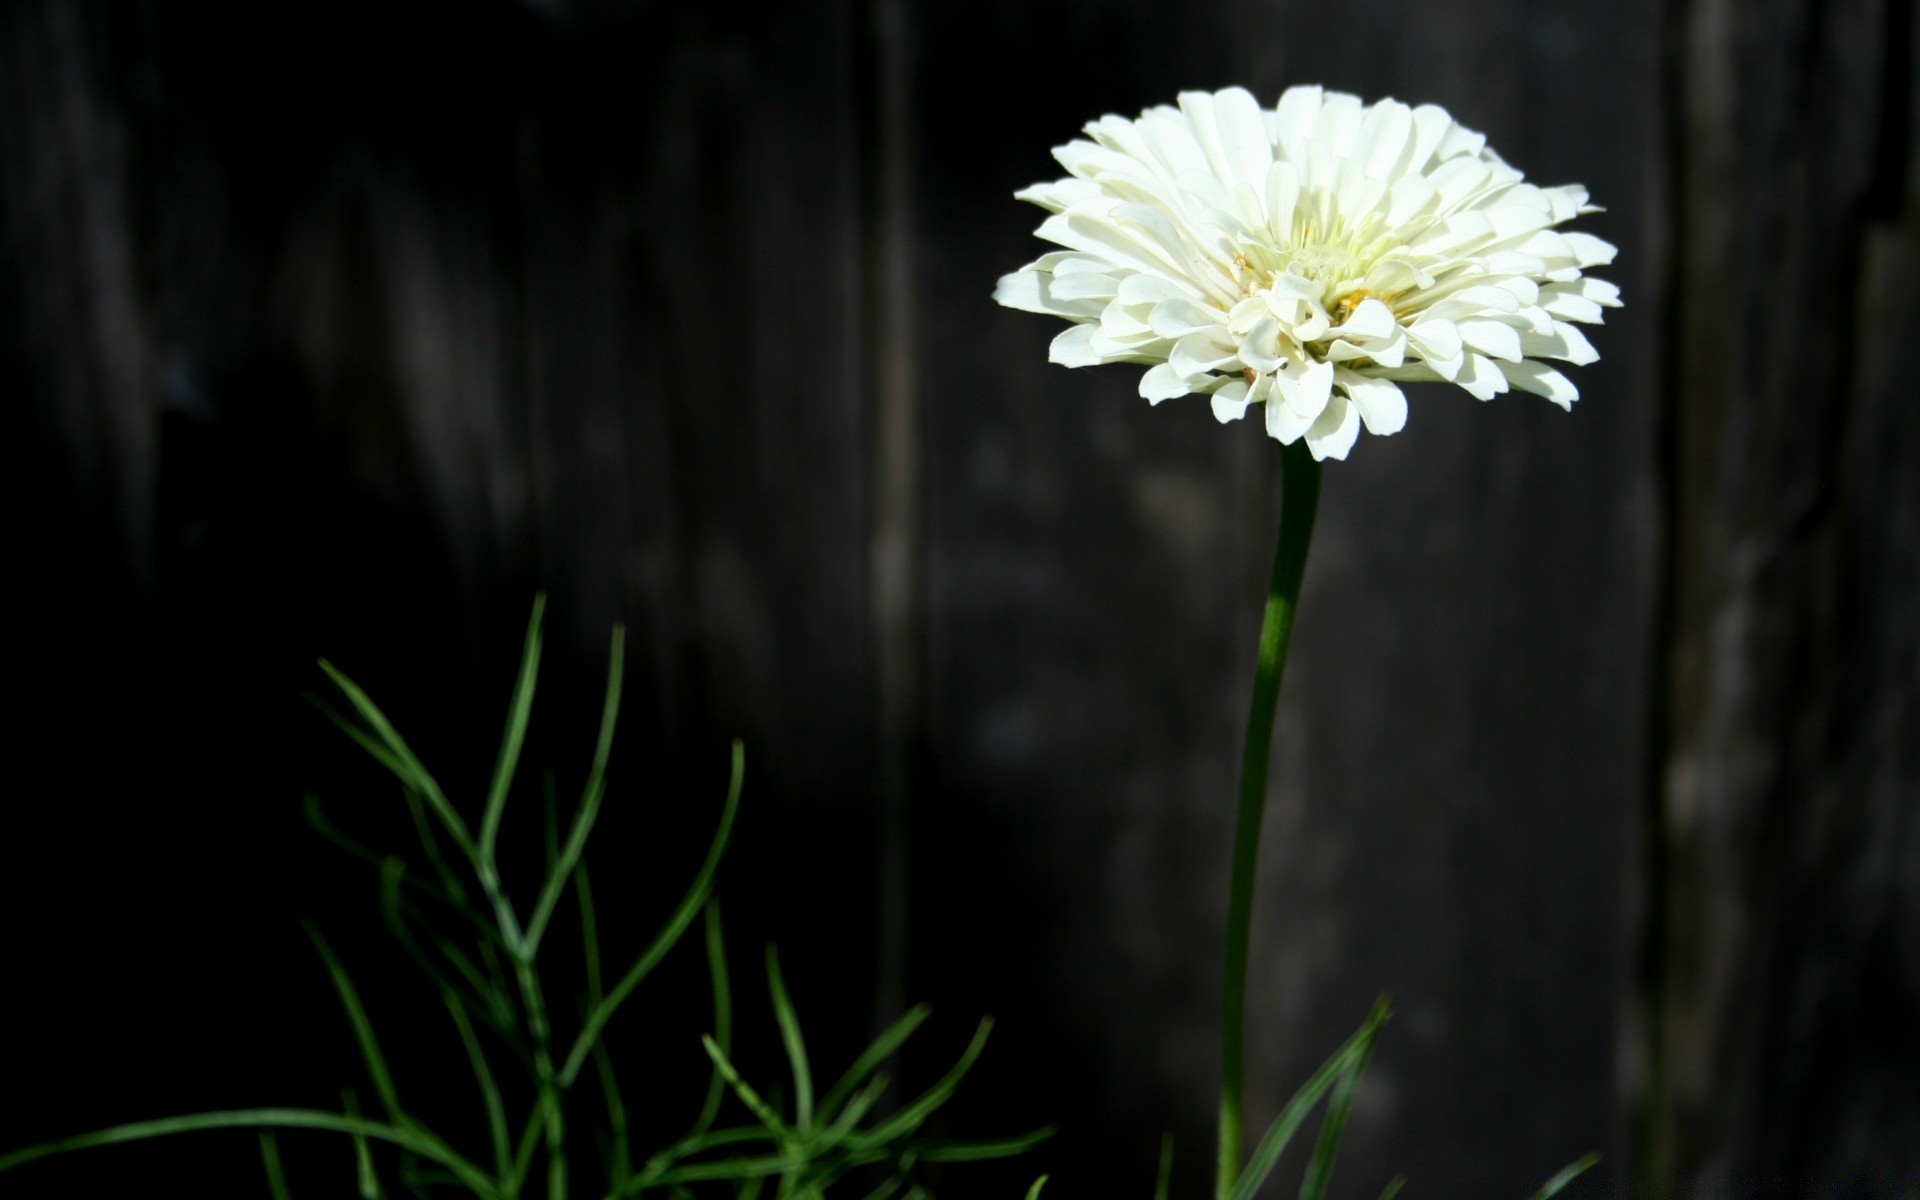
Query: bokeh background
pixel 339 330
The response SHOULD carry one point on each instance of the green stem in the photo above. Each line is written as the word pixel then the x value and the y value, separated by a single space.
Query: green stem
pixel 1300 497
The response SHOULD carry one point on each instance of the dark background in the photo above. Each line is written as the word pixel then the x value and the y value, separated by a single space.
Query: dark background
pixel 339 330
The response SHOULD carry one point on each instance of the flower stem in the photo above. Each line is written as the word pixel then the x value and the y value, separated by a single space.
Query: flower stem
pixel 1300 498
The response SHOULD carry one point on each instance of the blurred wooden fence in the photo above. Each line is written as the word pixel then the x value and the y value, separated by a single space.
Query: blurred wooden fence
pixel 340 330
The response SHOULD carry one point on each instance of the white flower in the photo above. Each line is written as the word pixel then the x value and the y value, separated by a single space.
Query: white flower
pixel 1309 258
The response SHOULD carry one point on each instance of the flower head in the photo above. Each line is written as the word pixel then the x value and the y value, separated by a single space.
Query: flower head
pixel 1310 258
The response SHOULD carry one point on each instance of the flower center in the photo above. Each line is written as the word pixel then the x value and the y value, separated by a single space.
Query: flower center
pixel 1325 263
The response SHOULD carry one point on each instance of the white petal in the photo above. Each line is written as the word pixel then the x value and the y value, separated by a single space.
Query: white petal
pixel 1411 194
pixel 1199 353
pixel 1146 289
pixel 1382 405
pixel 1435 340
pixel 1283 192
pixel 1566 343
pixel 1162 382
pixel 1298 111
pixel 1305 387
pixel 1590 251
pixel 1243 137
pixel 1032 291
pixel 1230 402
pixel 1481 377
pixel 1074 347
pixel 1084 285
pixel 1260 348
pixel 1339 125
pixel 1335 432
pixel 1059 195
pixel 1178 317
pixel 1542 380
pixel 1371 319
pixel 1385 138
pixel 1599 291
pixel 1492 337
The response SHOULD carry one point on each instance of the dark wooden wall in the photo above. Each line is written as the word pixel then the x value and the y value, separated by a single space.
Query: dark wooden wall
pixel 339 331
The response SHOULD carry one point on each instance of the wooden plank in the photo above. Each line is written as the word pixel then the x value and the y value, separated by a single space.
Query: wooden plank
pixel 1787 944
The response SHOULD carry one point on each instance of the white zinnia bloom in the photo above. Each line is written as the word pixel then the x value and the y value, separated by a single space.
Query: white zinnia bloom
pixel 1310 258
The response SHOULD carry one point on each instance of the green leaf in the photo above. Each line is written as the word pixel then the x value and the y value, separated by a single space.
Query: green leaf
pixel 1567 1175
pixel 1033 1193
pixel 518 711
pixel 276 1175
pixel 1164 1177
pixel 317 818
pixel 620 1166
pixel 755 1104
pixel 796 1046
pixel 1267 1154
pixel 419 1142
pixel 910 1117
pixel 722 1013
pixel 483 1076
pixel 858 1107
pixel 398 758
pixel 1320 1169
pixel 949 1150
pixel 875 1054
pixel 669 935
pixel 1393 1187
pixel 362 1030
pixel 590 798
pixel 394 908
pixel 364 1175
pixel 423 829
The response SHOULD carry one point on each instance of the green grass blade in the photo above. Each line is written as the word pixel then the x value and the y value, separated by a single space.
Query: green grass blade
pixel 875 1054
pixel 423 1144
pixel 1033 1193
pixel 856 1108
pixel 732 1168
pixel 796 1046
pixel 913 1115
pixel 423 829
pixel 619 1150
pixel 741 1088
pixel 394 908
pixel 1163 1178
pixel 1567 1175
pixel 524 1151
pixel 519 709
pixel 620 1166
pixel 276 1174
pixel 663 941
pixel 362 1030
pixel 1320 1169
pixel 1267 1154
pixel 374 747
pixel 489 1088
pixel 590 798
pixel 589 934
pixel 1393 1187
pixel 981 1149
pixel 317 818
pixel 367 1180
pixel 400 759
pixel 722 1014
